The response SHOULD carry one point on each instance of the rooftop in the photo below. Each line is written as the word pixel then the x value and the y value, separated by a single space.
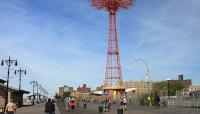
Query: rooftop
pixel 2 81
pixel 14 89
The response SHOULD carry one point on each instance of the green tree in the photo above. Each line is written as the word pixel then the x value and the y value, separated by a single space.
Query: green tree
pixel 173 87
pixel 163 86
pixel 66 94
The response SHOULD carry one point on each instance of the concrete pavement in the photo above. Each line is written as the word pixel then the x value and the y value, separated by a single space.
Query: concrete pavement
pixel 35 109
pixel 93 109
pixel 78 110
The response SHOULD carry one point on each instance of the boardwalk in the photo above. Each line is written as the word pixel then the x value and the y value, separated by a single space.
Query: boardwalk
pixel 78 110
pixel 35 109
pixel 93 109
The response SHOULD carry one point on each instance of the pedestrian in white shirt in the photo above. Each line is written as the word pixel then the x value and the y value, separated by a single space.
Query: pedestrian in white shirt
pixel 124 101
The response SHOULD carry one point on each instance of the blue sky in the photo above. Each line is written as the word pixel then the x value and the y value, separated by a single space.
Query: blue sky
pixel 65 41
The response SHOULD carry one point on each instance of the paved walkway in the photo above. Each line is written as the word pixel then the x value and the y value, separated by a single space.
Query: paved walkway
pixel 93 109
pixel 78 110
pixel 35 109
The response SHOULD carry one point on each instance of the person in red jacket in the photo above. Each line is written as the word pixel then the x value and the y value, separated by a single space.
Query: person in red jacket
pixel 72 104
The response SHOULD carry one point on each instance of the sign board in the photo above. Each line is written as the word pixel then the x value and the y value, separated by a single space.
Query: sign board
pixel 185 92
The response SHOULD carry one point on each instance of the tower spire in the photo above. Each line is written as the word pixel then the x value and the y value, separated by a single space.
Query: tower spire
pixel 113 83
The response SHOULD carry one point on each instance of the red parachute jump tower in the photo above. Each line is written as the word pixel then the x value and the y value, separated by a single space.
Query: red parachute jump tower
pixel 113 83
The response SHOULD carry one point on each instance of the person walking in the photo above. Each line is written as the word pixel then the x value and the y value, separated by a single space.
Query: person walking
pixel 121 102
pixel 10 108
pixel 124 103
pixel 72 105
pixel 157 100
pixel 106 105
pixel 109 103
pixel 67 100
pixel 49 107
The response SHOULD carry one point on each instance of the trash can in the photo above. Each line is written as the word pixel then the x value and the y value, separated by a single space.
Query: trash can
pixel 100 109
pixel 119 111
pixel 85 105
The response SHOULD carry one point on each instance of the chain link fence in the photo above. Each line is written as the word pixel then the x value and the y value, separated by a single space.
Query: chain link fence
pixel 192 101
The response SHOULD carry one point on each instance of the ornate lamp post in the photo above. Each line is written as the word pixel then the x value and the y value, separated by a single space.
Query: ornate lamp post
pixel 37 85
pixel 8 62
pixel 20 72
pixel 34 84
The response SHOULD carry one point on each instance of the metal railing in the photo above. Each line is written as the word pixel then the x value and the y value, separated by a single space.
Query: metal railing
pixel 184 103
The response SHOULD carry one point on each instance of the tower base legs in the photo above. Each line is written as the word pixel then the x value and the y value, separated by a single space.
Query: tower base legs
pixel 115 94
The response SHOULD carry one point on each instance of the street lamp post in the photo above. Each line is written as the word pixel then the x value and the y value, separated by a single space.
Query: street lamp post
pixel 147 73
pixel 46 93
pixel 43 93
pixel 8 62
pixel 37 85
pixel 34 84
pixel 20 72
pixel 40 90
pixel 40 93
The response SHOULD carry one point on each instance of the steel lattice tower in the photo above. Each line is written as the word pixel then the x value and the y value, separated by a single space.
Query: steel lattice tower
pixel 113 77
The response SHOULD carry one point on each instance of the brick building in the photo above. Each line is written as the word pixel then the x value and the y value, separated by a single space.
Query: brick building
pixel 65 89
pixel 186 83
pixel 61 91
pixel 83 89
pixel 140 87
pixel 99 88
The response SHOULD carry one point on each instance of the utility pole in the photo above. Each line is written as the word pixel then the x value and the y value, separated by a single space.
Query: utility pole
pixel 20 72
pixel 8 62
